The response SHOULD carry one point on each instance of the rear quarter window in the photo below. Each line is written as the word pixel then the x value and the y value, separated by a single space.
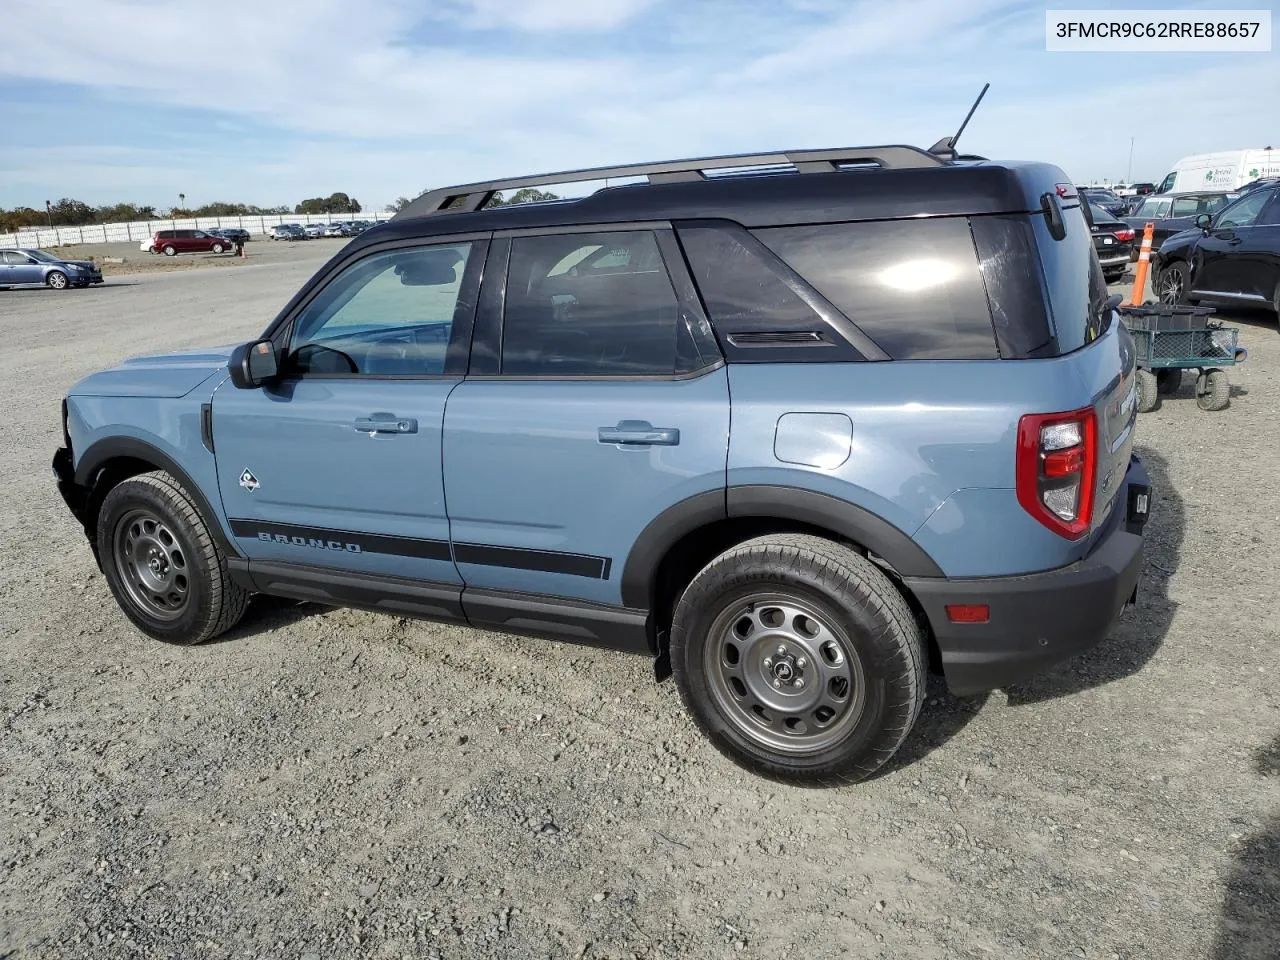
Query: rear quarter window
pixel 1074 286
pixel 913 286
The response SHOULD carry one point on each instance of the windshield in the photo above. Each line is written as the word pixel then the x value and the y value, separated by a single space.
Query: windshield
pixel 44 257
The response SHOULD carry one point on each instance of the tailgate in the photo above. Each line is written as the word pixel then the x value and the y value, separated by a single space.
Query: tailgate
pixel 1116 408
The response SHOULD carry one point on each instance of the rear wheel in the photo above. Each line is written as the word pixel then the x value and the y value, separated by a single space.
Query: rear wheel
pixel 56 279
pixel 1213 390
pixel 164 569
pixel 1148 391
pixel 169 251
pixel 799 659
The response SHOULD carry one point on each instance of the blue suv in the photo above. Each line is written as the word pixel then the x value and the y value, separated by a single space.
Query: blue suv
pixel 797 426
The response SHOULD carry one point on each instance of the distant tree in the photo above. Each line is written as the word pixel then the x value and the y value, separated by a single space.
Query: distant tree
pixel 334 203
pixel 71 213
pixel 124 213
pixel 523 195
pixel 399 204
pixel 16 219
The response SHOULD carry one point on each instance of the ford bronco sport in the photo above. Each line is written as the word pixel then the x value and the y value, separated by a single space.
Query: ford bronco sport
pixel 796 426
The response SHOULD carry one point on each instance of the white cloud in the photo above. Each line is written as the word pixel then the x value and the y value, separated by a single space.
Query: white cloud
pixel 379 102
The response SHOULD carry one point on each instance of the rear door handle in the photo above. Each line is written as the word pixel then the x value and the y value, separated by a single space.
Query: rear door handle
pixel 385 423
pixel 639 433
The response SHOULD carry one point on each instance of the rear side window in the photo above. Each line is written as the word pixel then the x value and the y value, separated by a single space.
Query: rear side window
pixel 589 304
pixel 913 286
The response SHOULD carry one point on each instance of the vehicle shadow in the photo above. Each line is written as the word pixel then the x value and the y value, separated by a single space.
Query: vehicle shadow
pixel 1244 316
pixel 1139 633
pixel 1249 928
pixel 268 613
pixel 942 717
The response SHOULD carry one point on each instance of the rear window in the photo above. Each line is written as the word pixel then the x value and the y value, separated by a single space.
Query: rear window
pixel 913 286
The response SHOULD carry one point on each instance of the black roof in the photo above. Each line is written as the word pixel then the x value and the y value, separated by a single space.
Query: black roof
pixel 936 188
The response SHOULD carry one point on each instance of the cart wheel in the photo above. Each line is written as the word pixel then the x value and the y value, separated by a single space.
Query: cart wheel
pixel 1148 391
pixel 1213 392
pixel 1168 381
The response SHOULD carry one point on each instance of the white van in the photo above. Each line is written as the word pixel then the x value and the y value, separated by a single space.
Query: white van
pixel 1221 171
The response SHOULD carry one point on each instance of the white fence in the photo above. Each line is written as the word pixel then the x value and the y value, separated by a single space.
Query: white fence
pixel 145 229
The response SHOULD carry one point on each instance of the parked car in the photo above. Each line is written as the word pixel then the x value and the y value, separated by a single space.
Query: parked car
pixel 28 266
pixel 287 231
pixel 728 444
pixel 314 230
pixel 1172 213
pixel 234 234
pixel 1231 256
pixel 1108 201
pixel 173 242
pixel 337 230
pixel 1112 241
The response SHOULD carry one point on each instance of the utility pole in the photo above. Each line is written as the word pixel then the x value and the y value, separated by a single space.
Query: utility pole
pixel 1129 179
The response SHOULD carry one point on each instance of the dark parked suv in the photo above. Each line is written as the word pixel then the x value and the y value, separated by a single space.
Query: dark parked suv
pixel 1231 256
pixel 795 426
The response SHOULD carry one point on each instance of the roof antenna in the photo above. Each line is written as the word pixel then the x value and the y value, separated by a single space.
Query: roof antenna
pixel 947 145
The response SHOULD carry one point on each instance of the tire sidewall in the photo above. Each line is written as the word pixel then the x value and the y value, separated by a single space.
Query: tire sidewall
pixel 697 612
pixel 127 496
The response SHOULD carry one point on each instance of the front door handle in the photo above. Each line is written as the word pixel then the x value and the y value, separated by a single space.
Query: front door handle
pixel 639 433
pixel 385 423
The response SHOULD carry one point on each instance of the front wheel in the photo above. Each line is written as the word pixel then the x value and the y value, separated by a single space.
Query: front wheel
pixel 799 659
pixel 1213 390
pixel 1172 284
pixel 217 248
pixel 161 563
pixel 56 279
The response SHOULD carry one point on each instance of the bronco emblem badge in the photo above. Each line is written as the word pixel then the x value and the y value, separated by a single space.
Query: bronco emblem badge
pixel 249 481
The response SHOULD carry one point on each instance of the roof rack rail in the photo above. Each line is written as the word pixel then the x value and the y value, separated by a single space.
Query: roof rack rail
pixel 472 196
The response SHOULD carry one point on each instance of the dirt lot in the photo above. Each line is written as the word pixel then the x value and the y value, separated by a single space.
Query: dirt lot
pixel 258 250
pixel 324 784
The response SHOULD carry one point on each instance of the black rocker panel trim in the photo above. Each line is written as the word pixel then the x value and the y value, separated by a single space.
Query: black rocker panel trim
pixel 573 621
pixel 417 598
pixel 861 526
pixel 349 541
pixel 112 448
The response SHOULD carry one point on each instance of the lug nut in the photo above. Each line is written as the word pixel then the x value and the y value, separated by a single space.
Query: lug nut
pixel 768 661
pixel 798 682
pixel 801 662
pixel 777 683
pixel 781 650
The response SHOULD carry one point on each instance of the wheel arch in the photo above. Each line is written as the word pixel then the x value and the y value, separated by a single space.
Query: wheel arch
pixel 112 460
pixel 683 539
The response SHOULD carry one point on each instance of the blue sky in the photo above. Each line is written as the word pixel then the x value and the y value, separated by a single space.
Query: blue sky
pixel 268 103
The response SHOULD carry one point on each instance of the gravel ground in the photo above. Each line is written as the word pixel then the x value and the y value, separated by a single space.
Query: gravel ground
pixel 332 783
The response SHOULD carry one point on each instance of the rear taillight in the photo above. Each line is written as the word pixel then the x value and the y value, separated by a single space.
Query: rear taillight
pixel 1056 466
pixel 1125 236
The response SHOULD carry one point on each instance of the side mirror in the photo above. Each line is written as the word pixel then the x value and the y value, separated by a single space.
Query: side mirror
pixel 1204 221
pixel 253 364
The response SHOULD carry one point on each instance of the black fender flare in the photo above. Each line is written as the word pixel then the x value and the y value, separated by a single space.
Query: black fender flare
pixel 844 519
pixel 111 448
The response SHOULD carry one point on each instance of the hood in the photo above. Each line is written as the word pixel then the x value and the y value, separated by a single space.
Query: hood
pixel 86 264
pixel 156 375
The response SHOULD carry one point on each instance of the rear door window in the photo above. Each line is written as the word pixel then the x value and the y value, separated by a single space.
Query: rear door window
pixel 914 286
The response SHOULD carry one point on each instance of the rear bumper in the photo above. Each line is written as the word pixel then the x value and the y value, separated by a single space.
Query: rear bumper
pixel 1044 618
